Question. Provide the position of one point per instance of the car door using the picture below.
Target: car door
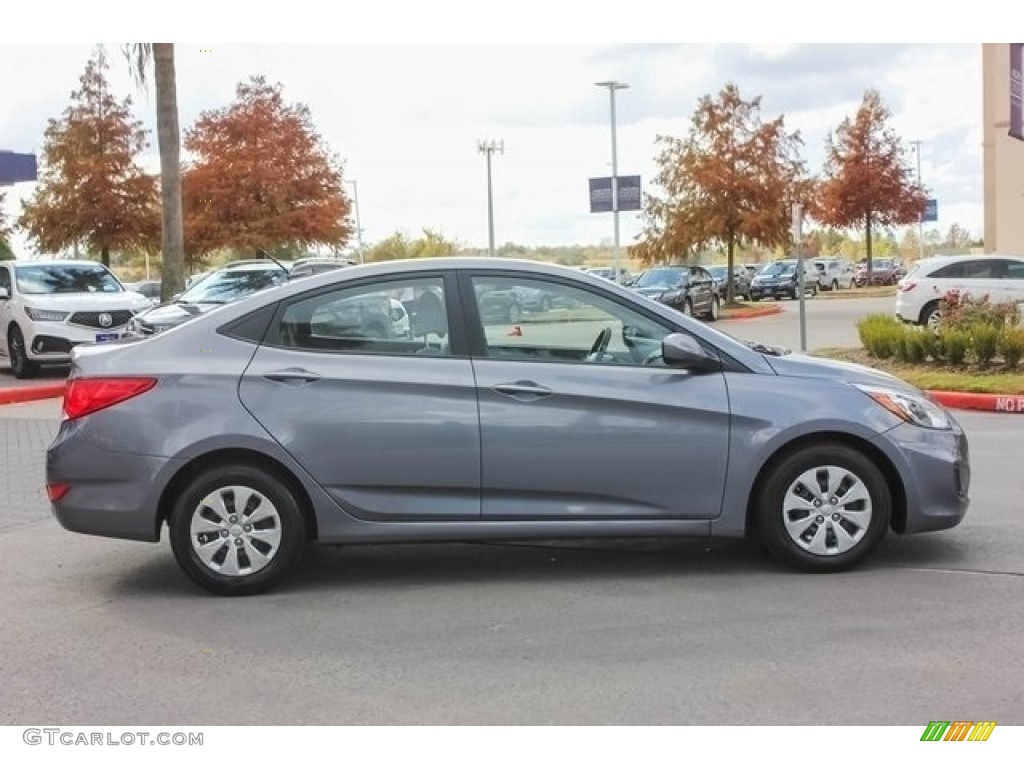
(382, 413)
(571, 431)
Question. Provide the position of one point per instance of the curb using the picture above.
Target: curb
(34, 392)
(977, 401)
(749, 314)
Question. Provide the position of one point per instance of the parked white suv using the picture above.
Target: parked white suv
(47, 307)
(918, 295)
(834, 273)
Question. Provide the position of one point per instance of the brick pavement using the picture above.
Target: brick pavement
(23, 443)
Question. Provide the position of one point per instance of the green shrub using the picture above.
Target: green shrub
(930, 347)
(913, 345)
(955, 343)
(880, 335)
(1011, 346)
(984, 340)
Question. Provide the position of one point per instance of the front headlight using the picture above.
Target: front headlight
(913, 409)
(51, 315)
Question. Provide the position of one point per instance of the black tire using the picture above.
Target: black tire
(21, 366)
(192, 505)
(835, 284)
(713, 311)
(754, 298)
(860, 532)
(930, 315)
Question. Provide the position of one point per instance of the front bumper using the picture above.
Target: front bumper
(935, 469)
(50, 342)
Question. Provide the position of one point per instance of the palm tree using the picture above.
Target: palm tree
(169, 141)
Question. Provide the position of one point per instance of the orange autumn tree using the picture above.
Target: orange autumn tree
(731, 181)
(90, 189)
(866, 180)
(261, 178)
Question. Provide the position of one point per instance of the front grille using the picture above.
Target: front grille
(118, 318)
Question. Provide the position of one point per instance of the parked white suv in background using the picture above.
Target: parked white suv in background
(834, 273)
(47, 307)
(918, 295)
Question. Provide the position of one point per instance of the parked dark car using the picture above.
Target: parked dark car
(883, 272)
(740, 280)
(284, 418)
(781, 279)
(689, 289)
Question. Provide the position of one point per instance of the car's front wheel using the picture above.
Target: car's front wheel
(823, 508)
(21, 366)
(237, 530)
(713, 310)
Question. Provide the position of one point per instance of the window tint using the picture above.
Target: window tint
(5, 280)
(397, 317)
(1015, 270)
(536, 320)
(950, 270)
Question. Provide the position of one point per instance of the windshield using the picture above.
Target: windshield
(662, 278)
(231, 285)
(718, 272)
(65, 278)
(778, 268)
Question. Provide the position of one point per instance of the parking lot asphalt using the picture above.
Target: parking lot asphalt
(98, 631)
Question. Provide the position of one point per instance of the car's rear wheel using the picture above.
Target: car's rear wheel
(931, 315)
(823, 508)
(21, 366)
(237, 530)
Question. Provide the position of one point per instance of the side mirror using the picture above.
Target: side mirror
(679, 350)
(4, 294)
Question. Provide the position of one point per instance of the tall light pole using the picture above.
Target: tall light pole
(489, 147)
(920, 216)
(613, 86)
(359, 226)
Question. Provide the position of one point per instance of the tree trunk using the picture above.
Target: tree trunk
(169, 140)
(105, 256)
(867, 229)
(728, 271)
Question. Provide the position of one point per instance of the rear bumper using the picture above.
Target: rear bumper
(111, 494)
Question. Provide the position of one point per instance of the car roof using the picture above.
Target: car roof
(57, 263)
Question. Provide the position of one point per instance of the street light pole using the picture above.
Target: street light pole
(613, 86)
(920, 216)
(359, 226)
(489, 148)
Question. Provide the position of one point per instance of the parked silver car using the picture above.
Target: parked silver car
(272, 421)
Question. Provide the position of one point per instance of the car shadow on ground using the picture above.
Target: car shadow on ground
(369, 567)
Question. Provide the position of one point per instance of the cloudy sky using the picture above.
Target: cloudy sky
(406, 118)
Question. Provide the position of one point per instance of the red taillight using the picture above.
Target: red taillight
(85, 396)
(56, 491)
(906, 286)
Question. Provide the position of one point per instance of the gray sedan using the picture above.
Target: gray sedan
(276, 420)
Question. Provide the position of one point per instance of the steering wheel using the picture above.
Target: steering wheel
(600, 345)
